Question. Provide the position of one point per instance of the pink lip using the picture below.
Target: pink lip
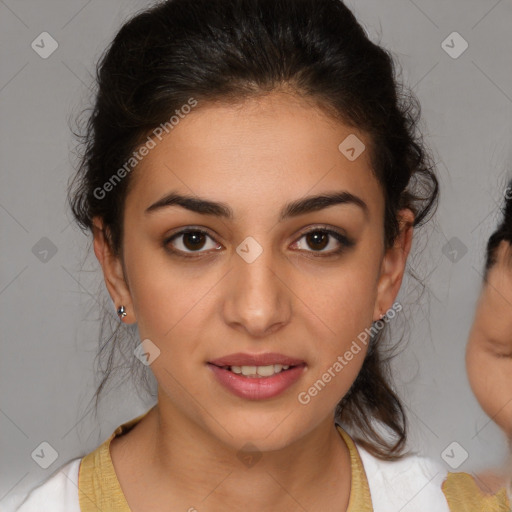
(241, 359)
(257, 388)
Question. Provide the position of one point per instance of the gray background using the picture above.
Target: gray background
(49, 309)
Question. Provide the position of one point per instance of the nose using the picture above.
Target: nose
(258, 300)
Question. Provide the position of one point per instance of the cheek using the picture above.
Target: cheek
(162, 294)
(498, 403)
(343, 298)
(491, 381)
(343, 304)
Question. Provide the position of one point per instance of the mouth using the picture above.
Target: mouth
(258, 372)
(257, 376)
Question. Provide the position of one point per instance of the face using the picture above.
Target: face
(251, 274)
(489, 349)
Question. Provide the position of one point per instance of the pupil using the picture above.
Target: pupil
(317, 237)
(195, 238)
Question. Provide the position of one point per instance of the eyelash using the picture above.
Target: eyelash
(345, 242)
(502, 355)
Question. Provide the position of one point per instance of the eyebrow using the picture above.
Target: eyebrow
(293, 209)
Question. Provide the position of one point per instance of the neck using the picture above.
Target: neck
(312, 469)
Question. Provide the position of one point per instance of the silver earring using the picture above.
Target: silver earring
(121, 312)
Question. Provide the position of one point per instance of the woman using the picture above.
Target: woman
(489, 348)
(252, 178)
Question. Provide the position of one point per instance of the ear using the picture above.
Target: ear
(113, 271)
(393, 265)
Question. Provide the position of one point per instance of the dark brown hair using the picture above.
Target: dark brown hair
(231, 50)
(502, 233)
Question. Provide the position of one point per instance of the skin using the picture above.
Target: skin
(489, 354)
(255, 157)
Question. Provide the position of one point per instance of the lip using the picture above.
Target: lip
(257, 388)
(268, 358)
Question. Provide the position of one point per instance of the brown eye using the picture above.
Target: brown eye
(320, 239)
(190, 241)
(193, 240)
(317, 240)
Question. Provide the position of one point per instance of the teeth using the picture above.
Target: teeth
(248, 370)
(259, 371)
(267, 371)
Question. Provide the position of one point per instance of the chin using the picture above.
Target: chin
(265, 434)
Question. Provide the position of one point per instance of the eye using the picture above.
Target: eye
(189, 241)
(502, 352)
(192, 240)
(320, 238)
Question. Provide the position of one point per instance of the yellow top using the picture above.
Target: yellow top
(99, 488)
(464, 495)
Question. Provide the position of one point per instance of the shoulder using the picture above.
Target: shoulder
(413, 483)
(421, 484)
(464, 493)
(58, 493)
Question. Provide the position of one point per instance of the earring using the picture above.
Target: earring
(121, 312)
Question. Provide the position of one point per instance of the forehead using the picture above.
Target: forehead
(277, 147)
